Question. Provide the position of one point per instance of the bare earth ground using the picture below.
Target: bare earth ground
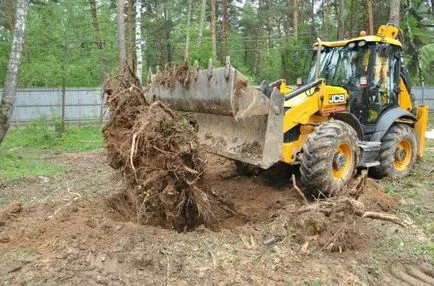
(67, 233)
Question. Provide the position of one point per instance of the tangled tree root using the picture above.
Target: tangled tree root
(336, 223)
(157, 152)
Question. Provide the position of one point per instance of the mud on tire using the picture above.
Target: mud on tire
(393, 162)
(329, 159)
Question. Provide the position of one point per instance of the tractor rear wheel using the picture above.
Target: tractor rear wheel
(397, 154)
(329, 159)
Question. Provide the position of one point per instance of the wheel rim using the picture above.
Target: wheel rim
(342, 160)
(403, 155)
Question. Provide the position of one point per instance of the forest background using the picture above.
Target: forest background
(74, 43)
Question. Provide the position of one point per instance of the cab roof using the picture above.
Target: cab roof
(386, 34)
(369, 39)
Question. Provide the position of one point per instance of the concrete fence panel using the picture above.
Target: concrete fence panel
(84, 104)
(81, 105)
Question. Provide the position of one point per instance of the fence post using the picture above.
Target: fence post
(15, 108)
(423, 92)
(101, 108)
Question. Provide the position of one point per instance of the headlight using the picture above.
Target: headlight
(351, 45)
(361, 43)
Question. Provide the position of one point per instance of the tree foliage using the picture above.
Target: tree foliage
(259, 36)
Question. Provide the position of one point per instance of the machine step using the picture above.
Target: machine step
(369, 152)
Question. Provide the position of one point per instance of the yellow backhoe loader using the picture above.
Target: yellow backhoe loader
(355, 111)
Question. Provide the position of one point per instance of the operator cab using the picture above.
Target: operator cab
(368, 71)
(368, 68)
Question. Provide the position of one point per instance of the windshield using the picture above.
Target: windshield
(341, 66)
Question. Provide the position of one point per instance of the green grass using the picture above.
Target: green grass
(430, 121)
(412, 192)
(22, 149)
(37, 136)
(14, 166)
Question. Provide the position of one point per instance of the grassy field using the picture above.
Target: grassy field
(416, 197)
(68, 214)
(22, 152)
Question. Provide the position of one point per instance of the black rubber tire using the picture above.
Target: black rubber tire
(318, 155)
(389, 143)
(244, 169)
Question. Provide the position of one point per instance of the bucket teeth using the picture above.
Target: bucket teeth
(149, 79)
(210, 71)
(228, 67)
(236, 119)
(196, 69)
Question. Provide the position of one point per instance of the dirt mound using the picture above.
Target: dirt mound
(9, 210)
(374, 198)
(338, 224)
(336, 233)
(158, 154)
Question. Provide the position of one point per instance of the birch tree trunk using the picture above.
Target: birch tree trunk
(213, 30)
(394, 12)
(121, 31)
(187, 36)
(139, 70)
(370, 17)
(202, 22)
(11, 82)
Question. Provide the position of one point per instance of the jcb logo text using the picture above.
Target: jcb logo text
(336, 98)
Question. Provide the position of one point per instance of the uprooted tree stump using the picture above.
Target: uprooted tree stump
(334, 224)
(157, 152)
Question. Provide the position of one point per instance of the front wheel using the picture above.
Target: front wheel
(397, 154)
(329, 159)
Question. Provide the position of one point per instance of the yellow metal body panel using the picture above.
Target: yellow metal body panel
(389, 31)
(290, 150)
(386, 34)
(404, 99)
(284, 89)
(335, 99)
(308, 108)
(366, 38)
(420, 128)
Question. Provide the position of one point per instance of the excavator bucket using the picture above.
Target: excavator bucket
(235, 119)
